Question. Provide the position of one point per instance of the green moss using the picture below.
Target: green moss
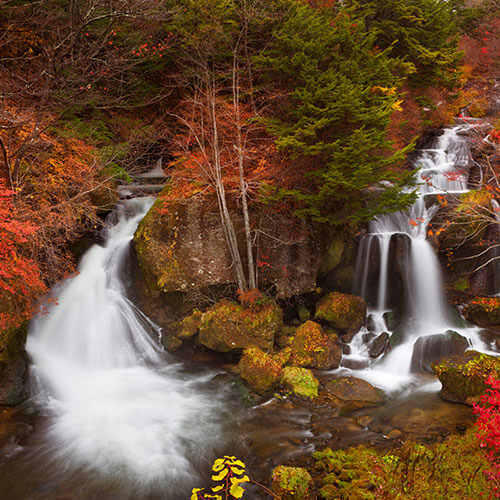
(228, 326)
(343, 311)
(259, 370)
(463, 377)
(301, 381)
(190, 325)
(291, 483)
(452, 470)
(461, 284)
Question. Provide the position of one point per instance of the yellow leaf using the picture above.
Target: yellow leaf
(222, 474)
(218, 465)
(237, 471)
(236, 490)
(238, 462)
(215, 489)
(397, 106)
(194, 493)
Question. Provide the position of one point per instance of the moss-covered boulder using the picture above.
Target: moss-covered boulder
(291, 483)
(228, 326)
(300, 381)
(261, 372)
(463, 377)
(343, 311)
(311, 347)
(351, 393)
(483, 311)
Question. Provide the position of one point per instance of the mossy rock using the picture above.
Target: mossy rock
(292, 483)
(343, 311)
(190, 325)
(261, 372)
(171, 342)
(351, 393)
(228, 326)
(483, 311)
(300, 381)
(463, 377)
(312, 348)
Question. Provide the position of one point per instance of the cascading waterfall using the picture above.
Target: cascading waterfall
(116, 403)
(444, 168)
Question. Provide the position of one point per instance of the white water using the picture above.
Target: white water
(116, 403)
(444, 170)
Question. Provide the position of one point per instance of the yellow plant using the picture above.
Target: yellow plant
(230, 473)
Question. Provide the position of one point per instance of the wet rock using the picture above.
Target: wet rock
(463, 377)
(292, 483)
(261, 372)
(491, 338)
(379, 345)
(399, 251)
(312, 348)
(364, 421)
(483, 311)
(355, 364)
(171, 342)
(370, 323)
(392, 319)
(228, 326)
(343, 311)
(351, 393)
(368, 337)
(432, 348)
(394, 434)
(300, 381)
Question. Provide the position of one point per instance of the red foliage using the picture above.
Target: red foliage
(488, 424)
(20, 281)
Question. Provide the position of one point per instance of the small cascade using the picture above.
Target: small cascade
(116, 404)
(496, 251)
(444, 170)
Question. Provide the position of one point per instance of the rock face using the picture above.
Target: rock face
(13, 365)
(291, 483)
(228, 326)
(312, 348)
(463, 377)
(483, 311)
(181, 247)
(351, 393)
(431, 349)
(259, 370)
(343, 311)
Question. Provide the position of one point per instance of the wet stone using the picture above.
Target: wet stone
(379, 345)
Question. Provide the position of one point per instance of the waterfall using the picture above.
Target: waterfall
(444, 170)
(116, 403)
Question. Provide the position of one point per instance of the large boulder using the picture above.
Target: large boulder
(351, 393)
(432, 348)
(228, 326)
(342, 311)
(292, 483)
(311, 347)
(463, 377)
(483, 311)
(180, 247)
(261, 372)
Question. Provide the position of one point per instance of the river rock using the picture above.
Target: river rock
(463, 377)
(378, 345)
(228, 326)
(312, 348)
(483, 311)
(292, 483)
(432, 348)
(351, 393)
(261, 372)
(392, 319)
(492, 338)
(343, 311)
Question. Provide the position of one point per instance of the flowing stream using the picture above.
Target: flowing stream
(444, 169)
(117, 404)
